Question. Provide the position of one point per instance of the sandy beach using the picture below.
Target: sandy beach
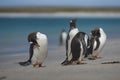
(93, 70)
(64, 14)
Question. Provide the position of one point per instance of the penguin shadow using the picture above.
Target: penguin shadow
(3, 77)
(26, 63)
(74, 63)
(67, 63)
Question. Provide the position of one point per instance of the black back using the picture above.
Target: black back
(75, 45)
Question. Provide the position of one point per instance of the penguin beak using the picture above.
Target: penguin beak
(36, 44)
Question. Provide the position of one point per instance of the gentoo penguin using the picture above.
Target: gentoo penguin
(75, 45)
(98, 39)
(79, 46)
(63, 37)
(38, 49)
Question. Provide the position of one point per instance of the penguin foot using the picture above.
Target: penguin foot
(37, 65)
(81, 62)
(74, 62)
(96, 57)
(77, 62)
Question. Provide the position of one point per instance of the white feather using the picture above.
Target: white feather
(81, 51)
(102, 39)
(71, 34)
(40, 53)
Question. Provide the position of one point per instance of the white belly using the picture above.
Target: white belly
(102, 43)
(40, 53)
(71, 35)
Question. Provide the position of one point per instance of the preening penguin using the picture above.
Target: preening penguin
(98, 39)
(40, 49)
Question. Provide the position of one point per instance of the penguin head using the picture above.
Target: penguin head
(95, 33)
(73, 24)
(32, 38)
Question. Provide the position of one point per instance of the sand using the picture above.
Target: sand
(64, 14)
(93, 70)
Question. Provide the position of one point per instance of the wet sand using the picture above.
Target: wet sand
(93, 70)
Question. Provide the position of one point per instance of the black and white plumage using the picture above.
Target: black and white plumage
(70, 37)
(40, 50)
(79, 46)
(98, 40)
(76, 46)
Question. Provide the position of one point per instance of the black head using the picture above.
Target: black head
(73, 23)
(95, 33)
(32, 37)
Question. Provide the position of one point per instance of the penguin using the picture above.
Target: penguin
(72, 32)
(40, 50)
(63, 37)
(97, 41)
(79, 46)
(75, 45)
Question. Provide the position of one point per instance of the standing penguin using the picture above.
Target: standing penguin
(75, 45)
(63, 37)
(79, 46)
(98, 39)
(38, 49)
(72, 32)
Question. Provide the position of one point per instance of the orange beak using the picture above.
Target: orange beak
(37, 45)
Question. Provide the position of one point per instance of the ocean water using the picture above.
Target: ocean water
(14, 31)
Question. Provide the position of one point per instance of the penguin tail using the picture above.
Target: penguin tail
(66, 62)
(25, 63)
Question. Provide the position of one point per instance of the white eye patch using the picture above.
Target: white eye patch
(30, 42)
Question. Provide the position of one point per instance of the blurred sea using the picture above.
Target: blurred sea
(14, 31)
